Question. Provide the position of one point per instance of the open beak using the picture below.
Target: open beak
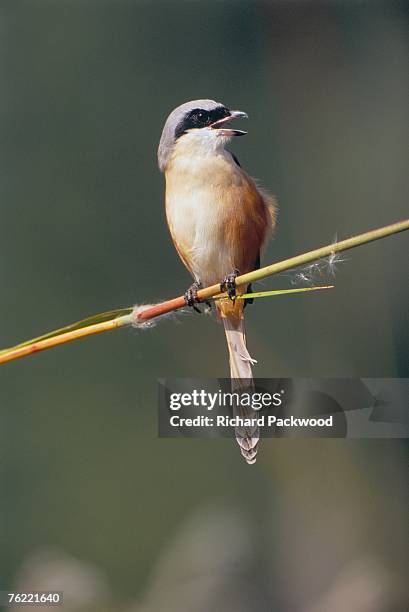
(218, 125)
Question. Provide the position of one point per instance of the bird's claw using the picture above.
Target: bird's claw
(191, 297)
(228, 284)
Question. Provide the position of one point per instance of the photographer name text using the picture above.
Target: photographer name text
(260, 421)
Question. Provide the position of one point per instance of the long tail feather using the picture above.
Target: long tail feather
(242, 380)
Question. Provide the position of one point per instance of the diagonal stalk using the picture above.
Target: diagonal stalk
(100, 323)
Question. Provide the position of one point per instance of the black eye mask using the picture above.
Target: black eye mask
(200, 118)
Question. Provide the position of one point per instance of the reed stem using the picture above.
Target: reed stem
(83, 329)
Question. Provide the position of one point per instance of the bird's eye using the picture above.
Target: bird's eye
(200, 115)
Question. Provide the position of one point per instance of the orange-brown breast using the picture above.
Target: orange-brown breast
(217, 216)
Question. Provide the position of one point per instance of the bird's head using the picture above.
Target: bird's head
(199, 127)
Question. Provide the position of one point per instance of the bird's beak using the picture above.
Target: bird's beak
(218, 125)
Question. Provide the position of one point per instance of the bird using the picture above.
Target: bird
(219, 220)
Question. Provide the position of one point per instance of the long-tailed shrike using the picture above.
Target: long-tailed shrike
(219, 219)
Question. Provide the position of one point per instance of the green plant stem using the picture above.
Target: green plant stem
(123, 317)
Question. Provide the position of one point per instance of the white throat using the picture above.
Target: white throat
(199, 144)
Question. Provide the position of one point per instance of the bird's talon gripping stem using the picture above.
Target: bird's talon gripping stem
(191, 296)
(228, 284)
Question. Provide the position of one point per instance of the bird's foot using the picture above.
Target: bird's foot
(191, 296)
(228, 284)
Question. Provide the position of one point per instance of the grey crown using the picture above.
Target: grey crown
(167, 141)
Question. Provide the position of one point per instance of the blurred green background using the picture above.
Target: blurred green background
(91, 501)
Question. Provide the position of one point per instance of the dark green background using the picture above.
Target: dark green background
(85, 89)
